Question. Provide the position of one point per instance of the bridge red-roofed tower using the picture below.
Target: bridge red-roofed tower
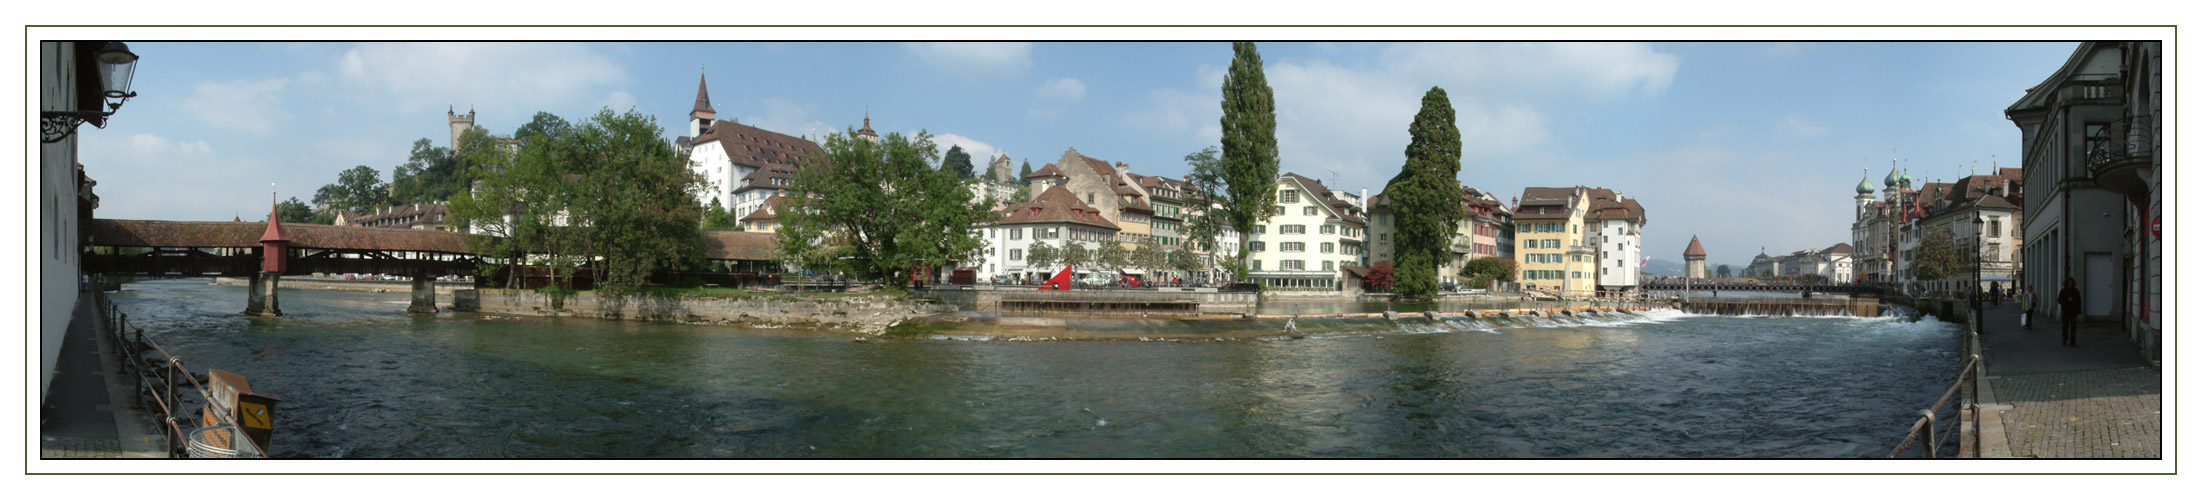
(275, 246)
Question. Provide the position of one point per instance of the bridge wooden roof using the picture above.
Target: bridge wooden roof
(161, 233)
(740, 245)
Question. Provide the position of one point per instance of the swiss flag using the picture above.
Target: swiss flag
(1061, 281)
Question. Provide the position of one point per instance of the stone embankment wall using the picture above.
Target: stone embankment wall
(1167, 301)
(443, 288)
(869, 315)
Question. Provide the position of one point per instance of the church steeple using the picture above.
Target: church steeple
(867, 132)
(700, 118)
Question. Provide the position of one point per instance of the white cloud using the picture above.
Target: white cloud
(1067, 89)
(243, 106)
(149, 147)
(620, 101)
(141, 175)
(977, 58)
(787, 117)
(516, 78)
(980, 152)
(1598, 68)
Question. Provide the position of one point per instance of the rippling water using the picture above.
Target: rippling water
(360, 378)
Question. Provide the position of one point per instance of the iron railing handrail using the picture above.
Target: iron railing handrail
(1972, 409)
(162, 397)
(2132, 137)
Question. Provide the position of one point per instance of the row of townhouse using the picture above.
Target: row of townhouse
(1979, 213)
(1088, 202)
(1486, 229)
(1832, 263)
(1578, 240)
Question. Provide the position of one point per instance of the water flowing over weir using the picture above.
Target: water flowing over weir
(362, 380)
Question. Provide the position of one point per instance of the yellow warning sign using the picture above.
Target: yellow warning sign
(252, 415)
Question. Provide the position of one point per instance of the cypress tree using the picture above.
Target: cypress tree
(1249, 143)
(1427, 202)
(1027, 173)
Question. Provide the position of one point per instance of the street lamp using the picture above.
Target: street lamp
(116, 65)
(1979, 230)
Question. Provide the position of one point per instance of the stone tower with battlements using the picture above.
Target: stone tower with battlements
(459, 124)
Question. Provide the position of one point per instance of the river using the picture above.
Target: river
(359, 378)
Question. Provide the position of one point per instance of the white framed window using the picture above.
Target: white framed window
(1328, 247)
(1307, 210)
(1292, 265)
(1288, 196)
(1292, 229)
(1292, 246)
(1329, 229)
(1016, 254)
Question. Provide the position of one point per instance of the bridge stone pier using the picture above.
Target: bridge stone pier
(424, 295)
(261, 295)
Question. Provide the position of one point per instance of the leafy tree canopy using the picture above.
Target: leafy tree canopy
(876, 210)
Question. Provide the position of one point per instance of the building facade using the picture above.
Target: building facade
(1693, 260)
(726, 153)
(1617, 239)
(1549, 241)
(1055, 217)
(1311, 235)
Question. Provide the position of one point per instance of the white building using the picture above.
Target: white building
(1054, 217)
(1313, 234)
(727, 153)
(1618, 237)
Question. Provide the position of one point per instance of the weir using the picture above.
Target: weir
(1781, 307)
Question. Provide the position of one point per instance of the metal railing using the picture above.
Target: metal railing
(2131, 138)
(1968, 416)
(155, 383)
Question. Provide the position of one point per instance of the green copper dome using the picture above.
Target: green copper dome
(1891, 180)
(1865, 185)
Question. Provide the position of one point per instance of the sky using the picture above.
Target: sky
(1742, 144)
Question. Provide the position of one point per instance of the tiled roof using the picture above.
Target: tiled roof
(1055, 205)
(755, 146)
(1604, 207)
(1046, 171)
(426, 213)
(1346, 209)
(161, 233)
(1695, 249)
(771, 210)
(737, 245)
(1544, 203)
(1841, 248)
(703, 98)
(762, 178)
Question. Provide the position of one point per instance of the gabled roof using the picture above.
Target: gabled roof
(762, 178)
(1540, 203)
(771, 211)
(758, 147)
(1055, 205)
(1839, 248)
(2039, 95)
(149, 233)
(1047, 171)
(1339, 207)
(1603, 206)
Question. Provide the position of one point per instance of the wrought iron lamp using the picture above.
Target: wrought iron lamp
(116, 65)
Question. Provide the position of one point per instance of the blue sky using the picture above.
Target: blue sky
(1742, 144)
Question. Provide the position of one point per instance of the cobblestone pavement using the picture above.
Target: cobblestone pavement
(2114, 413)
(74, 447)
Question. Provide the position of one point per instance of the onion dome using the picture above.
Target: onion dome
(1890, 181)
(1865, 186)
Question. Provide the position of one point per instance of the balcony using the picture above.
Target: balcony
(2118, 153)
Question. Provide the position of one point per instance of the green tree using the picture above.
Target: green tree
(1183, 260)
(1023, 194)
(293, 210)
(1425, 197)
(1938, 256)
(1249, 159)
(1113, 257)
(1723, 271)
(544, 124)
(959, 162)
(1026, 172)
(1077, 256)
(717, 218)
(1042, 255)
(359, 187)
(875, 210)
(1146, 256)
(1482, 271)
(608, 192)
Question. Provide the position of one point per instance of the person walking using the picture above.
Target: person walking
(2026, 306)
(2068, 311)
(1995, 294)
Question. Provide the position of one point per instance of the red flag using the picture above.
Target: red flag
(1061, 281)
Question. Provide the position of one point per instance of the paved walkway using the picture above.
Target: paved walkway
(2100, 400)
(87, 412)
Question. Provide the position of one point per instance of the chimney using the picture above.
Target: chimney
(1364, 198)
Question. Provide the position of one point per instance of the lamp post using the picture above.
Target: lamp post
(116, 65)
(1979, 230)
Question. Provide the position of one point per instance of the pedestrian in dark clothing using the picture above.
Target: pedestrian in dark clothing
(2068, 310)
(2026, 306)
(1995, 294)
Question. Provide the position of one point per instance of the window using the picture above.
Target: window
(1307, 210)
(1259, 246)
(1292, 229)
(1327, 264)
(1288, 196)
(1292, 265)
(1292, 246)
(1016, 233)
(1328, 246)
(1261, 229)
(1530, 244)
(1276, 210)
(1995, 228)
(1016, 254)
(1330, 229)
(1089, 198)
(1256, 264)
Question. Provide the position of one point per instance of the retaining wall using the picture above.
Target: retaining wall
(862, 314)
(1165, 302)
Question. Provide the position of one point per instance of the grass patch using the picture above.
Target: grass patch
(915, 328)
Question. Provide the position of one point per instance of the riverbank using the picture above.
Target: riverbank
(985, 326)
(868, 314)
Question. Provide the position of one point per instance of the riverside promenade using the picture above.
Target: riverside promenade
(2045, 400)
(87, 411)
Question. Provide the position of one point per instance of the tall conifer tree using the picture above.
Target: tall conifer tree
(1249, 143)
(1426, 196)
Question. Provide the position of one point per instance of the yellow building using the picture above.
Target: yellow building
(1548, 242)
